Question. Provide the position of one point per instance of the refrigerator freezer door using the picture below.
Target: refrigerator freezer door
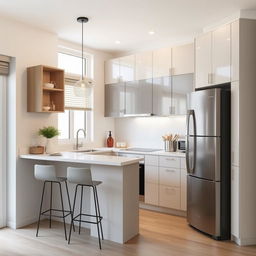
(206, 106)
(203, 157)
(204, 205)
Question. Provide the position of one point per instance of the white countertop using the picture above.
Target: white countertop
(80, 157)
(155, 153)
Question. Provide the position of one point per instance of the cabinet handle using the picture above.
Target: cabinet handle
(168, 170)
(170, 190)
(170, 159)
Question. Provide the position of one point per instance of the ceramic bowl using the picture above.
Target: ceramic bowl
(49, 85)
(46, 108)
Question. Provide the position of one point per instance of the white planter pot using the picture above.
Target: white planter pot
(49, 148)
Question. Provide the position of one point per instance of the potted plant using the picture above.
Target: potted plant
(49, 132)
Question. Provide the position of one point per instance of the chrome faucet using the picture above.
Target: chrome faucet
(77, 144)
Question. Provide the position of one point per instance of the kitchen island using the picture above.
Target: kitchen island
(118, 193)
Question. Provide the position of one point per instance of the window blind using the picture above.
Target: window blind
(77, 98)
(4, 65)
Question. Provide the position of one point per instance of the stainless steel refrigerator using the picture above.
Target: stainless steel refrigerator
(208, 161)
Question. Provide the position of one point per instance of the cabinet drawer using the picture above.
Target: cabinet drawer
(151, 174)
(168, 161)
(131, 155)
(169, 176)
(183, 163)
(169, 197)
(151, 193)
(151, 160)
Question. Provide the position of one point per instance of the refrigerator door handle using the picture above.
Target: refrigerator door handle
(191, 112)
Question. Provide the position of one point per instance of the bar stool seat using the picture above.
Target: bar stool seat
(96, 183)
(83, 178)
(47, 174)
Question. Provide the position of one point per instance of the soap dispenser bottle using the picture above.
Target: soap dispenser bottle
(110, 140)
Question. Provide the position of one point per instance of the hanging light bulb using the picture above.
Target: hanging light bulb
(83, 88)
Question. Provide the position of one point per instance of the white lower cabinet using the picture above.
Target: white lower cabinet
(151, 174)
(166, 182)
(183, 189)
(169, 176)
(168, 161)
(169, 197)
(151, 193)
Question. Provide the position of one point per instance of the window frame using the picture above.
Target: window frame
(88, 71)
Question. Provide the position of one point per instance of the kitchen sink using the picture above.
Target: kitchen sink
(105, 153)
(86, 150)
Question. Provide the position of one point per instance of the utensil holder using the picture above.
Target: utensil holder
(170, 146)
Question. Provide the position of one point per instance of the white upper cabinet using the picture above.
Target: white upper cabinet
(235, 51)
(127, 68)
(213, 57)
(143, 65)
(221, 65)
(183, 59)
(162, 62)
(203, 64)
(112, 71)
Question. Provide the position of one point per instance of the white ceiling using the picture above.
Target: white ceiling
(126, 20)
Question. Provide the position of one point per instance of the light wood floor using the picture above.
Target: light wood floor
(160, 235)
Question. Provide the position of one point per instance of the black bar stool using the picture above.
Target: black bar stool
(83, 178)
(47, 173)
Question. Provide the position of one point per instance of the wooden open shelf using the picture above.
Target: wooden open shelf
(40, 96)
(53, 89)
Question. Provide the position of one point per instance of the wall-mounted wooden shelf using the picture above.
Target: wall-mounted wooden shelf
(53, 89)
(39, 96)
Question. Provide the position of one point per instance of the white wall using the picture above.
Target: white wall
(148, 131)
(31, 46)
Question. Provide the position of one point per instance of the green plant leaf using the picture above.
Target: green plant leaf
(49, 132)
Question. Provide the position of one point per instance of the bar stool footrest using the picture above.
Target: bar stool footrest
(56, 210)
(87, 221)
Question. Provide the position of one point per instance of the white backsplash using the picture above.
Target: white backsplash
(147, 131)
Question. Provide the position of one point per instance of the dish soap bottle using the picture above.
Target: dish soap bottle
(110, 140)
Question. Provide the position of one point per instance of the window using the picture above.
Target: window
(73, 118)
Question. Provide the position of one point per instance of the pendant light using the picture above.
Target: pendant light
(83, 88)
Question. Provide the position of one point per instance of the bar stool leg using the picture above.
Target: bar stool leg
(81, 207)
(71, 213)
(42, 198)
(63, 213)
(96, 212)
(72, 220)
(102, 237)
(50, 221)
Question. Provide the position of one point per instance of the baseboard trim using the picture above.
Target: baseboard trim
(163, 210)
(244, 241)
(11, 224)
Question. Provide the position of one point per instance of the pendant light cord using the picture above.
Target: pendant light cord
(82, 50)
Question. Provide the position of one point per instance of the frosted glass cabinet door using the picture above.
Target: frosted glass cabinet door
(221, 65)
(138, 97)
(183, 59)
(127, 68)
(114, 100)
(144, 65)
(112, 72)
(162, 96)
(203, 67)
(181, 86)
(162, 62)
